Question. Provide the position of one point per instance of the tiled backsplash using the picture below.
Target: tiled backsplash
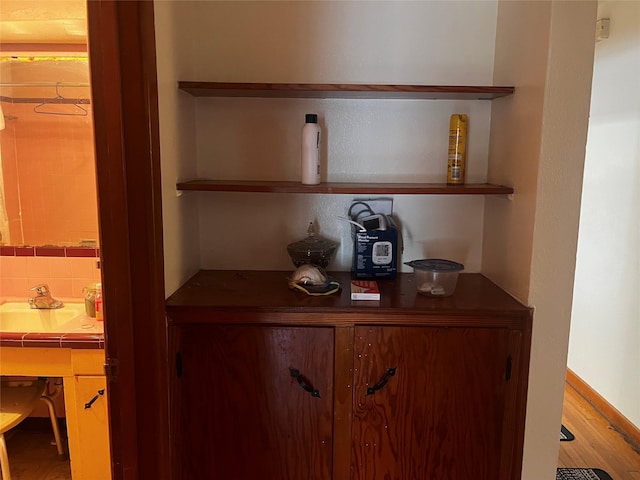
(66, 271)
(49, 251)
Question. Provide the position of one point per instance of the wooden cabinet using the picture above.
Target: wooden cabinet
(288, 386)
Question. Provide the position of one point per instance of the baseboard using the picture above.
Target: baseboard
(619, 422)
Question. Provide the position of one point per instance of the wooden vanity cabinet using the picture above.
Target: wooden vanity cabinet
(82, 372)
(384, 391)
(91, 457)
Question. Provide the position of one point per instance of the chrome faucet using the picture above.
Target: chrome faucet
(43, 298)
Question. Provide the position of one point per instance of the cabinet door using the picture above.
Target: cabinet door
(238, 410)
(439, 416)
(89, 443)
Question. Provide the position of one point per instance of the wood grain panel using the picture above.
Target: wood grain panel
(343, 414)
(513, 430)
(333, 90)
(242, 413)
(441, 415)
(206, 185)
(126, 130)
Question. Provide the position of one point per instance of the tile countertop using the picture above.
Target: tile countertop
(81, 332)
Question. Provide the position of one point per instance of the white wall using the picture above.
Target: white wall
(177, 149)
(538, 145)
(364, 140)
(340, 42)
(604, 348)
(522, 49)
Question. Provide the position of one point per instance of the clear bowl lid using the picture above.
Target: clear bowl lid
(312, 244)
(436, 265)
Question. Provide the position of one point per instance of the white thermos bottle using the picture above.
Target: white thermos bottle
(311, 150)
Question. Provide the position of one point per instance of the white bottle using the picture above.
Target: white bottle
(311, 150)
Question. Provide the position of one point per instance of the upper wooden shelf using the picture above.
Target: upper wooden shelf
(333, 90)
(345, 188)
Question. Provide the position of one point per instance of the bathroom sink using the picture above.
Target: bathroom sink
(20, 317)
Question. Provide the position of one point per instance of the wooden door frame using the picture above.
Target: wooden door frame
(125, 105)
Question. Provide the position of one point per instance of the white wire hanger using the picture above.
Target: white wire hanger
(79, 110)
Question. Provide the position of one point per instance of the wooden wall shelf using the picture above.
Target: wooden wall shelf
(325, 90)
(354, 91)
(345, 188)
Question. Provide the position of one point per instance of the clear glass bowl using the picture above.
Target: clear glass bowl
(312, 250)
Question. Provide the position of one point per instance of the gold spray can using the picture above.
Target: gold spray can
(457, 149)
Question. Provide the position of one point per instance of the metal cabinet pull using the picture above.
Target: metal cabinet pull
(390, 373)
(92, 401)
(303, 382)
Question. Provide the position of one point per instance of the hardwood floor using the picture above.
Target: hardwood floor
(597, 444)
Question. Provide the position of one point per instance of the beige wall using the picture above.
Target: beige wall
(177, 146)
(530, 245)
(364, 140)
(359, 42)
(522, 44)
(604, 348)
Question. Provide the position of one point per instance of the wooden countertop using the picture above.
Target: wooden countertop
(230, 296)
